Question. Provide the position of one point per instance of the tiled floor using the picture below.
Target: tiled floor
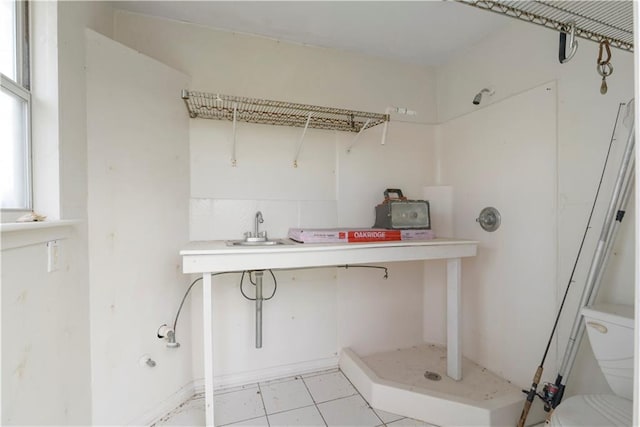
(318, 399)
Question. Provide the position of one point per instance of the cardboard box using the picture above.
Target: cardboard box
(357, 235)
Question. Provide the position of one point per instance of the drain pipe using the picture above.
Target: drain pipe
(259, 299)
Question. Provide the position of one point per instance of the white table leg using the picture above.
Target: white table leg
(207, 327)
(454, 317)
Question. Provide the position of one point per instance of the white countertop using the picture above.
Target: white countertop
(217, 256)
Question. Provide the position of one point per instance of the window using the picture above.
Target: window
(15, 107)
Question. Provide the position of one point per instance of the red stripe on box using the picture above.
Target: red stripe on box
(374, 235)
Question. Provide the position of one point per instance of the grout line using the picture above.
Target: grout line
(252, 418)
(338, 398)
(292, 379)
(264, 407)
(314, 402)
(292, 409)
(236, 422)
(362, 397)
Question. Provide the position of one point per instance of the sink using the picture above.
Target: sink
(274, 242)
(257, 238)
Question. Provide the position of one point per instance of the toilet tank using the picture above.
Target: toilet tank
(611, 334)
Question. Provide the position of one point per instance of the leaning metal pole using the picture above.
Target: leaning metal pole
(550, 390)
(613, 217)
(600, 272)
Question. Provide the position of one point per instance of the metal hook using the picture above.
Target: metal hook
(604, 48)
(605, 69)
(573, 43)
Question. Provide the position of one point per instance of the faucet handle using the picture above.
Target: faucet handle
(262, 234)
(248, 234)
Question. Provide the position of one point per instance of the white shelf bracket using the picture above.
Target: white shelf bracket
(387, 112)
(304, 132)
(385, 128)
(355, 139)
(233, 148)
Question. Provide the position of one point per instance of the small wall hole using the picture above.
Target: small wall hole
(433, 376)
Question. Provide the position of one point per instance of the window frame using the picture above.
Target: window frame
(21, 90)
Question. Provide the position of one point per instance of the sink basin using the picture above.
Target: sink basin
(274, 242)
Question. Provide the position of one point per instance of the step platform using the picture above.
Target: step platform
(412, 382)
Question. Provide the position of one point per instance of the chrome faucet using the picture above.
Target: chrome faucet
(257, 235)
(259, 220)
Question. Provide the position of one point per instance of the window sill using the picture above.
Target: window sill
(37, 225)
(20, 234)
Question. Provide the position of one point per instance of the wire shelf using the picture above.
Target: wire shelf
(595, 20)
(251, 110)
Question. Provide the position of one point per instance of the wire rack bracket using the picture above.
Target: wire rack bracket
(595, 20)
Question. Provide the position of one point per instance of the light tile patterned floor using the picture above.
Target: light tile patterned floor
(318, 399)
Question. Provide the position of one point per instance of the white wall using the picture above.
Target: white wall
(264, 68)
(315, 312)
(73, 18)
(45, 316)
(138, 184)
(45, 339)
(503, 156)
(513, 61)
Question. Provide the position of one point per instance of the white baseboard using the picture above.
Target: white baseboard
(162, 409)
(267, 374)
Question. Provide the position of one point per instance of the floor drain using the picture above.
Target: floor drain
(433, 376)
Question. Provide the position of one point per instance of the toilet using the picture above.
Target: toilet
(611, 334)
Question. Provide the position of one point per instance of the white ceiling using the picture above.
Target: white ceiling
(422, 32)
